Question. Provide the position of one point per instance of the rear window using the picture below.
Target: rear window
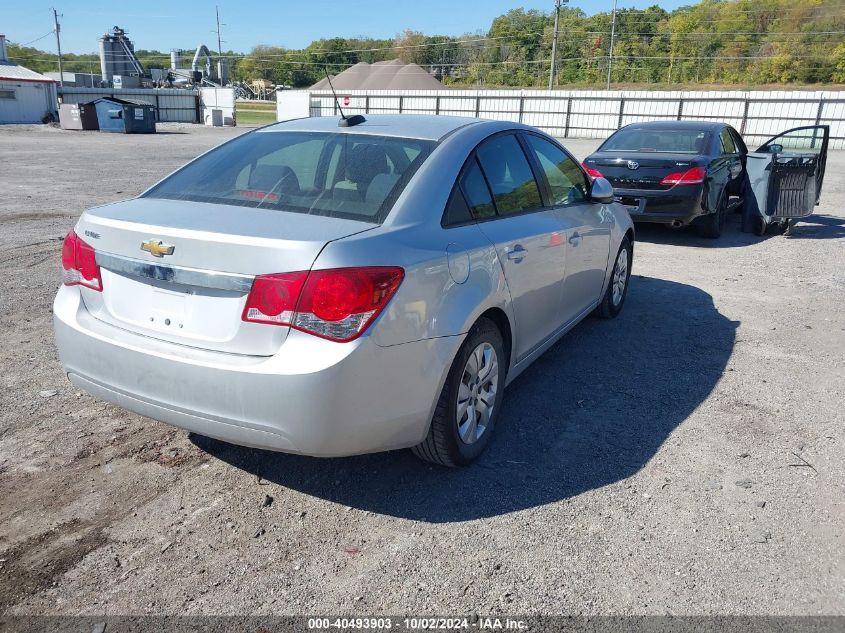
(677, 141)
(354, 176)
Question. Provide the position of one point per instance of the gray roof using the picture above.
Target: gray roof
(677, 125)
(421, 126)
(15, 72)
(389, 75)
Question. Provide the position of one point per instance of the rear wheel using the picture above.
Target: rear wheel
(713, 224)
(617, 288)
(744, 192)
(466, 412)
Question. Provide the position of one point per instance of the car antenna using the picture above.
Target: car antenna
(345, 121)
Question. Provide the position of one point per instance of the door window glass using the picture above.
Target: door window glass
(806, 139)
(740, 145)
(566, 180)
(725, 138)
(509, 174)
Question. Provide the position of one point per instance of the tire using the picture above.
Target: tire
(784, 226)
(711, 225)
(450, 443)
(614, 297)
(744, 192)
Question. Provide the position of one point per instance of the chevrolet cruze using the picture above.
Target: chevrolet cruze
(331, 287)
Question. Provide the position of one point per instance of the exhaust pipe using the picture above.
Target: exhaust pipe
(676, 224)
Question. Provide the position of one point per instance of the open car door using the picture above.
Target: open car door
(786, 172)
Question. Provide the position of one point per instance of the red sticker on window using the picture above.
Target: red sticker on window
(252, 194)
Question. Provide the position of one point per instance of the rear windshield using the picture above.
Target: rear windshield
(354, 176)
(677, 141)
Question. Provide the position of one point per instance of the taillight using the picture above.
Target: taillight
(693, 176)
(273, 298)
(592, 173)
(338, 304)
(79, 262)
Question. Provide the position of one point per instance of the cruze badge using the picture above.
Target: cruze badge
(157, 248)
(632, 164)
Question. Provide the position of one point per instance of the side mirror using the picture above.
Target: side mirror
(601, 191)
(775, 148)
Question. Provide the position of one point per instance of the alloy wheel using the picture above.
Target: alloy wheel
(477, 393)
(620, 276)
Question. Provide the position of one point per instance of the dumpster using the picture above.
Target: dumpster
(128, 117)
(78, 116)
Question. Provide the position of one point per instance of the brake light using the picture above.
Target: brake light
(79, 264)
(337, 304)
(592, 173)
(693, 176)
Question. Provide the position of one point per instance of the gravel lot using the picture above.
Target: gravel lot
(685, 458)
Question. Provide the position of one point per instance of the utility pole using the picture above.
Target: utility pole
(553, 70)
(219, 47)
(222, 64)
(610, 53)
(59, 47)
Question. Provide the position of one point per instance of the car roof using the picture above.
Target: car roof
(419, 126)
(676, 125)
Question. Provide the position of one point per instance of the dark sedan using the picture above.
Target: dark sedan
(678, 173)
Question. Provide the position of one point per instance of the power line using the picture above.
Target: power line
(313, 53)
(47, 34)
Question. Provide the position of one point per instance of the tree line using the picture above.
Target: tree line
(729, 42)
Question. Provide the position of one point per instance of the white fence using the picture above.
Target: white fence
(758, 115)
(172, 104)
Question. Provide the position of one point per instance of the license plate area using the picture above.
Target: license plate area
(633, 205)
(203, 314)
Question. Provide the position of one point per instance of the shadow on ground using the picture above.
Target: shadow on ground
(815, 227)
(818, 227)
(732, 235)
(592, 411)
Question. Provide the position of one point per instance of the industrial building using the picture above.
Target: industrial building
(77, 80)
(25, 96)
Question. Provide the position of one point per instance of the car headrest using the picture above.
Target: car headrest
(276, 178)
(365, 162)
(381, 185)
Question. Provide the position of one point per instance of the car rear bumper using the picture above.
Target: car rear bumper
(662, 207)
(314, 397)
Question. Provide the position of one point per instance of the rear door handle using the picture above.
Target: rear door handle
(575, 239)
(517, 253)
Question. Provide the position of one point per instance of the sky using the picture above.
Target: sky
(163, 25)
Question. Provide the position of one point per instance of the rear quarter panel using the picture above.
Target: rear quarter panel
(451, 277)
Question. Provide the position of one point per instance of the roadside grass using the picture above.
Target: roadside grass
(255, 112)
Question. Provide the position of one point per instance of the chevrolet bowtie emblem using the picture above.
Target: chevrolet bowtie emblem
(157, 248)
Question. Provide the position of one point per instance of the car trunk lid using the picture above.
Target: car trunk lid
(641, 170)
(181, 271)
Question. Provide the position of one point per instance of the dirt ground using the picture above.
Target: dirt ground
(685, 458)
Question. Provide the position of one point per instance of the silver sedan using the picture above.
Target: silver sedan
(330, 289)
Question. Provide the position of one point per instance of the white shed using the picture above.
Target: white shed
(25, 95)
